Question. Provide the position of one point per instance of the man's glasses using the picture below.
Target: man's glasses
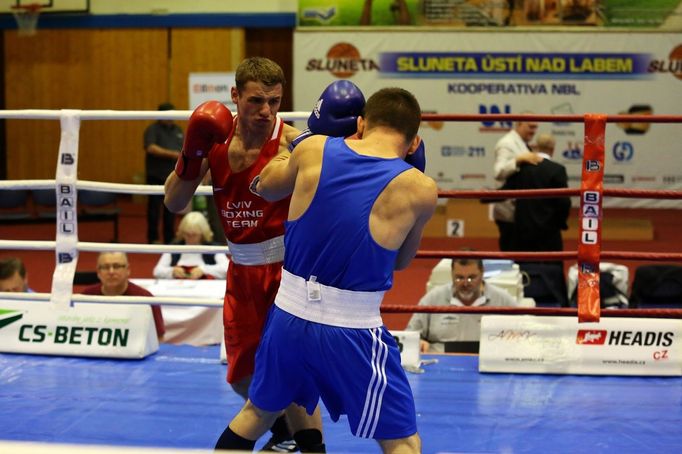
(112, 266)
(467, 279)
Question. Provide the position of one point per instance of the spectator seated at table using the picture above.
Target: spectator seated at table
(113, 272)
(193, 230)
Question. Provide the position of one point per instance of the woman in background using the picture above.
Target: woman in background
(193, 230)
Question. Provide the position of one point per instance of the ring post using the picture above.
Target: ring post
(590, 217)
(66, 249)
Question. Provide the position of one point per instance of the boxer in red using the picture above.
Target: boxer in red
(235, 151)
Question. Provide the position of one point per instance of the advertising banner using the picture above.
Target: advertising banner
(492, 13)
(211, 86)
(95, 330)
(561, 345)
(506, 72)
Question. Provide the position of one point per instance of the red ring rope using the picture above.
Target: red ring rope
(557, 192)
(542, 256)
(555, 118)
(559, 311)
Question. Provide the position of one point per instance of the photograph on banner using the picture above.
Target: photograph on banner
(664, 14)
(513, 73)
(358, 12)
(209, 87)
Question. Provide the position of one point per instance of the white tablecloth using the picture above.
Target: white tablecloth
(194, 325)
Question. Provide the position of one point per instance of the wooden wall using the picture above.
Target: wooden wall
(131, 69)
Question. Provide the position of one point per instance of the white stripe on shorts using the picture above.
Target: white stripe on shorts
(377, 386)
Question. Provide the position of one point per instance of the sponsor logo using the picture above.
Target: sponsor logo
(672, 65)
(592, 165)
(573, 151)
(614, 178)
(454, 150)
(524, 65)
(473, 176)
(441, 178)
(641, 338)
(672, 179)
(319, 14)
(343, 60)
(588, 267)
(210, 88)
(590, 337)
(623, 151)
(562, 109)
(493, 126)
(625, 338)
(563, 132)
(461, 151)
(9, 316)
(74, 335)
(633, 128)
(643, 178)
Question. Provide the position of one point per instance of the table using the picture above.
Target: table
(193, 325)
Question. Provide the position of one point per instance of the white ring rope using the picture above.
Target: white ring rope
(84, 246)
(121, 188)
(70, 120)
(42, 114)
(123, 299)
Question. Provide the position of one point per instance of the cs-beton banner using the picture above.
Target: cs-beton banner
(514, 73)
(95, 330)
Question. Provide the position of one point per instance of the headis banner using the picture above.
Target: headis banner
(514, 73)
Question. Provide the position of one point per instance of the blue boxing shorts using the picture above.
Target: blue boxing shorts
(355, 371)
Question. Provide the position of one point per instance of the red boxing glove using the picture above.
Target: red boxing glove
(210, 123)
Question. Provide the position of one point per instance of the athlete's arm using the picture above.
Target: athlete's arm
(277, 179)
(179, 192)
(209, 124)
(426, 194)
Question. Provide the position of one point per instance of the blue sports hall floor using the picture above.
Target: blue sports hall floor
(177, 398)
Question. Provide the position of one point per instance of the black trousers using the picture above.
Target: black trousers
(507, 239)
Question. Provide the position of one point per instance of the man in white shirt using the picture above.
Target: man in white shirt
(468, 288)
(511, 151)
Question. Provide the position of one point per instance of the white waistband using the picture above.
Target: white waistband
(263, 253)
(336, 307)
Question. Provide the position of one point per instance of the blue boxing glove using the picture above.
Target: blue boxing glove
(418, 158)
(335, 113)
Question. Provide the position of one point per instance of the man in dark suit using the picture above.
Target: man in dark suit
(539, 222)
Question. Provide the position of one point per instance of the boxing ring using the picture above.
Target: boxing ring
(177, 397)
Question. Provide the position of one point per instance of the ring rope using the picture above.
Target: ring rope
(70, 123)
(124, 299)
(85, 246)
(125, 188)
(546, 256)
(557, 192)
(554, 118)
(560, 311)
(46, 114)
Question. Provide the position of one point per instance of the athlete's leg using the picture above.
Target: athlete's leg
(307, 429)
(409, 445)
(250, 423)
(241, 387)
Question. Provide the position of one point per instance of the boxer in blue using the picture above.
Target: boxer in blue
(357, 212)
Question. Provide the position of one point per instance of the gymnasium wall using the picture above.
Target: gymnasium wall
(113, 68)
